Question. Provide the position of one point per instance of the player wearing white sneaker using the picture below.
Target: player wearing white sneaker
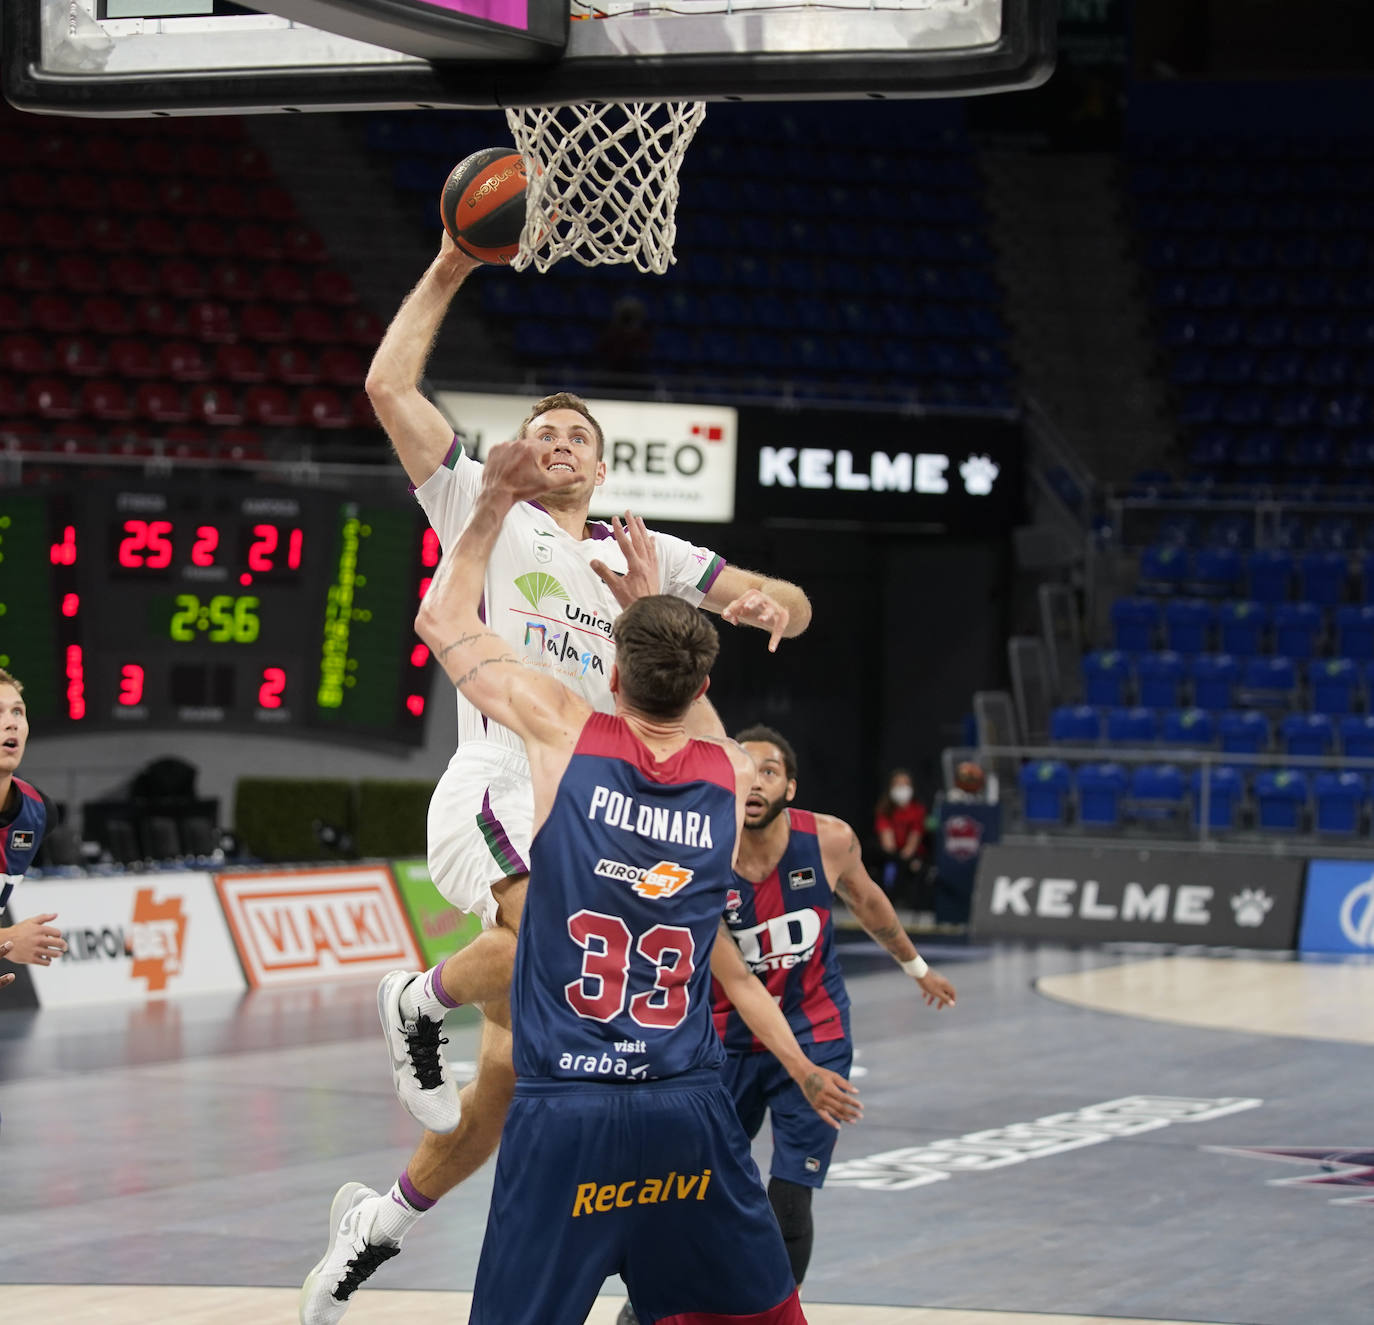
(356, 1248)
(554, 585)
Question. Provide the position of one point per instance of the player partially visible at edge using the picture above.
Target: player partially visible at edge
(779, 914)
(622, 1153)
(552, 590)
(26, 814)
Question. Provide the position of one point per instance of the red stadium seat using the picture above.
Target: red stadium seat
(30, 189)
(239, 363)
(133, 359)
(342, 367)
(105, 152)
(235, 281)
(181, 197)
(80, 273)
(157, 237)
(314, 326)
(161, 317)
(275, 203)
(51, 398)
(156, 156)
(262, 322)
(14, 315)
(25, 354)
(334, 288)
(292, 366)
(131, 275)
(321, 407)
(80, 356)
(14, 229)
(26, 270)
(184, 278)
(361, 327)
(161, 402)
(107, 315)
(183, 361)
(360, 411)
(186, 443)
(208, 239)
(131, 193)
(56, 313)
(106, 400)
(240, 444)
(284, 284)
(206, 160)
(60, 231)
(215, 405)
(108, 234)
(248, 159)
(210, 321)
(270, 407)
(231, 201)
(84, 192)
(12, 402)
(260, 242)
(302, 244)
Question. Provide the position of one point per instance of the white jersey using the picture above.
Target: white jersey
(542, 596)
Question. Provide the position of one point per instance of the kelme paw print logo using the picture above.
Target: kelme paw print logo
(979, 473)
(1251, 905)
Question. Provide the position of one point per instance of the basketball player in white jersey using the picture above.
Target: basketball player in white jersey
(553, 587)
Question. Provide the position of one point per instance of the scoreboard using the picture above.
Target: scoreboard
(216, 607)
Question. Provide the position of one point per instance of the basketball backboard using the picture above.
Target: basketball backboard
(73, 57)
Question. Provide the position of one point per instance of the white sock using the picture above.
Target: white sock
(397, 1216)
(424, 996)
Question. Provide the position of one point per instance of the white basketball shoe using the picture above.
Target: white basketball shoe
(418, 1071)
(355, 1250)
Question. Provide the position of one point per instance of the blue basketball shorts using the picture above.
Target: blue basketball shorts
(802, 1140)
(652, 1181)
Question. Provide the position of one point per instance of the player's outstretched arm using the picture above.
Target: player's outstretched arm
(746, 598)
(832, 1097)
(420, 434)
(478, 661)
(844, 868)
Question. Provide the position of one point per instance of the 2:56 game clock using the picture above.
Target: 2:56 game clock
(216, 607)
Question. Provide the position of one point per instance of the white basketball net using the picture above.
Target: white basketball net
(602, 181)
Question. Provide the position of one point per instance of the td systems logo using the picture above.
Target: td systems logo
(154, 941)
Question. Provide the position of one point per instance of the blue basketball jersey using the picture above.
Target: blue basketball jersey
(785, 932)
(20, 837)
(628, 876)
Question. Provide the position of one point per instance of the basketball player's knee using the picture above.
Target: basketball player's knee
(791, 1204)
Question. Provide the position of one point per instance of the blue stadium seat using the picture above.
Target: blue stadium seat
(1163, 568)
(1045, 788)
(1105, 674)
(1331, 533)
(1242, 625)
(1357, 736)
(1269, 682)
(1214, 680)
(1324, 576)
(1076, 724)
(1133, 726)
(1157, 791)
(1135, 622)
(1225, 793)
(1355, 630)
(1216, 571)
(1244, 732)
(1270, 573)
(1333, 682)
(1296, 627)
(1100, 789)
(1307, 734)
(1188, 623)
(1159, 679)
(1338, 801)
(1194, 728)
(1281, 798)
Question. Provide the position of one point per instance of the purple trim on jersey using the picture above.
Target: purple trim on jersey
(414, 1197)
(497, 840)
(450, 460)
(434, 986)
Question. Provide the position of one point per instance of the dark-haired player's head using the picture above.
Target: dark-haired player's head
(14, 724)
(775, 782)
(664, 651)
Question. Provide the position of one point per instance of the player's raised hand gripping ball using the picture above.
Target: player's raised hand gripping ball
(483, 204)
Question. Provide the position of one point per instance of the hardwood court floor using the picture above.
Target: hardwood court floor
(175, 1162)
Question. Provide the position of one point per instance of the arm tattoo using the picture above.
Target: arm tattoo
(888, 934)
(465, 639)
(471, 674)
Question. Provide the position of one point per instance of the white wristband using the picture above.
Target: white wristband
(916, 967)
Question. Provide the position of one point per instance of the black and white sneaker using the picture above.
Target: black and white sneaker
(418, 1071)
(351, 1257)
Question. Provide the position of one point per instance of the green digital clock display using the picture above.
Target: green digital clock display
(223, 619)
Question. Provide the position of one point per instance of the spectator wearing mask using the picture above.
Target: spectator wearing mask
(900, 823)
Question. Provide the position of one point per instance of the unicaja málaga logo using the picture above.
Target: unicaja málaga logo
(1357, 914)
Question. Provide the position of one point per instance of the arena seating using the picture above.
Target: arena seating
(791, 243)
(155, 275)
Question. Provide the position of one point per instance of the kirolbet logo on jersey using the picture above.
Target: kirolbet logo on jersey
(661, 880)
(597, 1198)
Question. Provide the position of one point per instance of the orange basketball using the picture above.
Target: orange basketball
(483, 204)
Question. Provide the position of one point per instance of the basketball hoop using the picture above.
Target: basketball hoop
(602, 181)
